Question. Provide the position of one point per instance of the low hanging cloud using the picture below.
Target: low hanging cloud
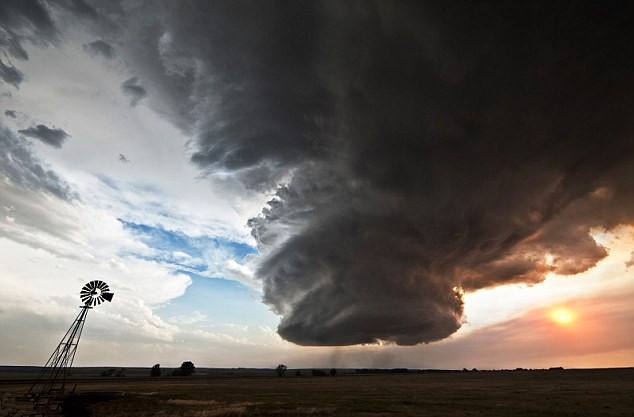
(416, 150)
(131, 89)
(50, 136)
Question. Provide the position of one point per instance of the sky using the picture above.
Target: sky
(320, 184)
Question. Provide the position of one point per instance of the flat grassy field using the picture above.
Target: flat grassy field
(608, 392)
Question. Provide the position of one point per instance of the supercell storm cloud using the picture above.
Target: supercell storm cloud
(418, 150)
(415, 150)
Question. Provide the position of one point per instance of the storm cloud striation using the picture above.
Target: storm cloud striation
(415, 150)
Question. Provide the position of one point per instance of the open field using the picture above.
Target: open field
(599, 392)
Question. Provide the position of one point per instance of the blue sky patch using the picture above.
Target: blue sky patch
(196, 254)
(221, 301)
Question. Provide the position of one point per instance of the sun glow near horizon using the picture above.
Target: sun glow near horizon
(563, 316)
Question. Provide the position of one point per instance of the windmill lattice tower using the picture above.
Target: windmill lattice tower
(52, 379)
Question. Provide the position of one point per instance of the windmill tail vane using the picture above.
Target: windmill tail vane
(51, 380)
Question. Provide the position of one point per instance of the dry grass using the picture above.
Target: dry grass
(497, 394)
(192, 402)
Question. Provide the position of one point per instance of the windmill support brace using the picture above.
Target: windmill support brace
(52, 378)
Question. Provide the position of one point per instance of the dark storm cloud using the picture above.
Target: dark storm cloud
(100, 47)
(31, 21)
(10, 74)
(271, 98)
(247, 64)
(425, 147)
(20, 166)
(11, 113)
(53, 137)
(83, 9)
(25, 20)
(10, 42)
(131, 89)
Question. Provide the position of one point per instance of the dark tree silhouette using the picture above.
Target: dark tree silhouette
(156, 370)
(187, 368)
(333, 372)
(281, 369)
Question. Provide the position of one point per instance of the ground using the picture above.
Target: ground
(500, 393)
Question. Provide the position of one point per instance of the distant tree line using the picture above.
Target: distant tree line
(114, 372)
(281, 369)
(187, 368)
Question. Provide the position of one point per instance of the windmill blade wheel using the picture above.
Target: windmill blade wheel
(95, 292)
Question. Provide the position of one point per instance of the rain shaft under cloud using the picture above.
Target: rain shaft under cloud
(415, 150)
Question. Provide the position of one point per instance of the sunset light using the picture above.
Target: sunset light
(563, 316)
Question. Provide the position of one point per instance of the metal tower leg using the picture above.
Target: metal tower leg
(52, 378)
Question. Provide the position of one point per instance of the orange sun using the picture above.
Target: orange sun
(563, 316)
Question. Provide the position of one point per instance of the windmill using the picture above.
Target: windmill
(52, 379)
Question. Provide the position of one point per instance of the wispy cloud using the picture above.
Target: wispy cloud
(195, 317)
(204, 255)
